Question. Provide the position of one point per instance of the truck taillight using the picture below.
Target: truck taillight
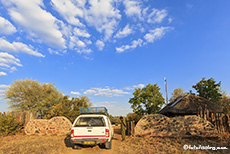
(107, 132)
(72, 133)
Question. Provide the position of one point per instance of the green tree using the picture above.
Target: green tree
(69, 107)
(9, 125)
(29, 95)
(114, 119)
(225, 103)
(209, 89)
(147, 100)
(133, 117)
(176, 93)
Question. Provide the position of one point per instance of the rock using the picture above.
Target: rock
(55, 126)
(160, 125)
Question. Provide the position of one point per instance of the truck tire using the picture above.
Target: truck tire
(75, 146)
(108, 145)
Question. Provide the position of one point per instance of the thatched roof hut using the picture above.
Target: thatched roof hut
(189, 105)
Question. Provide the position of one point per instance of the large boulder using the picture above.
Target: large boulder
(55, 126)
(160, 125)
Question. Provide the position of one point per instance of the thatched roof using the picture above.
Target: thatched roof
(189, 104)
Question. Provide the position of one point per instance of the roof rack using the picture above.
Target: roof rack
(93, 110)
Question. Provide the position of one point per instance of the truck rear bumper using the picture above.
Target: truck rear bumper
(89, 141)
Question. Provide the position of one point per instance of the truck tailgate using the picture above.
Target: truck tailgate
(89, 132)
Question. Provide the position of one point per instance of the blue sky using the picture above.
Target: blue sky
(104, 49)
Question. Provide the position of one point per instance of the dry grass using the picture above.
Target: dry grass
(137, 145)
(21, 144)
(224, 136)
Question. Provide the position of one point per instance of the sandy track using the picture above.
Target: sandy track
(116, 142)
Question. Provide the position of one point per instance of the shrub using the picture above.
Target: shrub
(9, 125)
(133, 117)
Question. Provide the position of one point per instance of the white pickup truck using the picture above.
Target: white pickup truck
(92, 127)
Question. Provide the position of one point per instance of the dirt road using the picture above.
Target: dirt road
(116, 142)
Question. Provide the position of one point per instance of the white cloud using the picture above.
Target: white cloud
(157, 16)
(139, 86)
(170, 20)
(3, 74)
(133, 45)
(3, 86)
(76, 22)
(150, 37)
(90, 92)
(100, 44)
(75, 93)
(123, 33)
(103, 16)
(76, 43)
(81, 32)
(65, 29)
(155, 34)
(100, 14)
(6, 60)
(12, 69)
(53, 51)
(80, 44)
(105, 92)
(38, 22)
(135, 86)
(6, 27)
(18, 47)
(132, 8)
(70, 10)
(128, 88)
(85, 51)
(88, 42)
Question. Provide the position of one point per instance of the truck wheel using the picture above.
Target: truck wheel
(75, 146)
(102, 146)
(108, 145)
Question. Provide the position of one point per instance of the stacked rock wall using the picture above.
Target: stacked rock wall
(160, 125)
(55, 126)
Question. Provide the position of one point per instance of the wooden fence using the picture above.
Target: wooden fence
(130, 128)
(219, 120)
(22, 117)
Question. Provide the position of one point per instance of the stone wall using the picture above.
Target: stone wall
(55, 126)
(160, 125)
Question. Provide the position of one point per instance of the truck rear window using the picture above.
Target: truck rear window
(90, 122)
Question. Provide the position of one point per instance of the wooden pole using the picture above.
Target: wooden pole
(166, 91)
(215, 116)
(201, 113)
(221, 123)
(205, 112)
(131, 127)
(218, 121)
(212, 118)
(228, 123)
(208, 115)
